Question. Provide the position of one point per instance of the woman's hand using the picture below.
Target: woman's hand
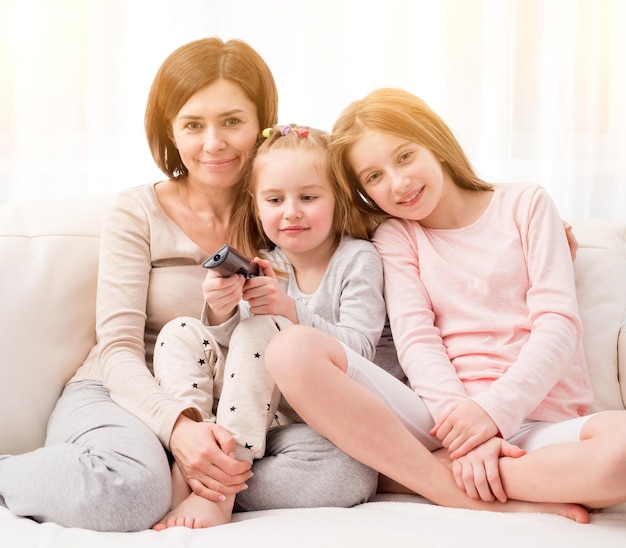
(478, 473)
(205, 453)
(463, 428)
(265, 295)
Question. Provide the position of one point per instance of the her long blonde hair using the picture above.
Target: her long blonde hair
(400, 113)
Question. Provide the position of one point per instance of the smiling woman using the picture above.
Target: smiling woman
(151, 251)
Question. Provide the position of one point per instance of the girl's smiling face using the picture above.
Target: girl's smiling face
(215, 132)
(404, 179)
(294, 200)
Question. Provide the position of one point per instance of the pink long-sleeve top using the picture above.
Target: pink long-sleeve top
(489, 311)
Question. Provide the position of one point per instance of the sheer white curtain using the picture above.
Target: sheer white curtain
(534, 89)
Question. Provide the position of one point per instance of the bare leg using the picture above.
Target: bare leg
(364, 426)
(591, 471)
(387, 485)
(191, 510)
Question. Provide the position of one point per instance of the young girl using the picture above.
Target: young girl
(480, 293)
(328, 277)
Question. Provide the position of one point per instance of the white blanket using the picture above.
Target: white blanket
(391, 521)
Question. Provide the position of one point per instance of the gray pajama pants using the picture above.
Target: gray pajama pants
(103, 469)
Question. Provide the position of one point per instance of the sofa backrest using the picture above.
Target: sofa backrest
(48, 267)
(48, 270)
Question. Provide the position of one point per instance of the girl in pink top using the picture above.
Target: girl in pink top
(480, 294)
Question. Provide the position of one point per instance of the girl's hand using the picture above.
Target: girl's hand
(477, 472)
(205, 453)
(265, 295)
(222, 295)
(463, 428)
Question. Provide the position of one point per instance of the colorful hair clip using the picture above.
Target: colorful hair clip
(303, 132)
(266, 132)
(285, 130)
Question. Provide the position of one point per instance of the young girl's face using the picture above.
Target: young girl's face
(294, 200)
(403, 178)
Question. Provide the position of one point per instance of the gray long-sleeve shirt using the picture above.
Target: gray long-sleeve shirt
(348, 304)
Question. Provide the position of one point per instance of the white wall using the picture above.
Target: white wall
(533, 88)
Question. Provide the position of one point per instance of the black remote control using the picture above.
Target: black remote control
(228, 261)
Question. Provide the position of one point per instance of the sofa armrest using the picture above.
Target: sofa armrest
(600, 269)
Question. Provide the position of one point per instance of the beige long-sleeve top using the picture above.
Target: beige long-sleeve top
(149, 273)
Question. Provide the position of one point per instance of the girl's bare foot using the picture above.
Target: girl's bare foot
(196, 512)
(571, 511)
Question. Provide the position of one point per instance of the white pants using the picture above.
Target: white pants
(412, 411)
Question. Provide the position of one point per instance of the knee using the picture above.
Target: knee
(176, 324)
(352, 483)
(123, 502)
(340, 481)
(181, 327)
(260, 327)
(296, 344)
(616, 454)
(315, 470)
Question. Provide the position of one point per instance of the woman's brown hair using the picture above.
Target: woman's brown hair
(191, 68)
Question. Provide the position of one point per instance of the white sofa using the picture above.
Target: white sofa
(48, 261)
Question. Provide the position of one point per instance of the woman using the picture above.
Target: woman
(104, 466)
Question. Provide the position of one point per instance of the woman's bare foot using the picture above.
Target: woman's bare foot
(196, 512)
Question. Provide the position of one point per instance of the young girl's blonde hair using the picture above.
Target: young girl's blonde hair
(404, 115)
(247, 233)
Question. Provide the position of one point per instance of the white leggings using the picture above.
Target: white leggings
(412, 411)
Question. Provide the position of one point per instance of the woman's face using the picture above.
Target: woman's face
(403, 178)
(295, 201)
(215, 132)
